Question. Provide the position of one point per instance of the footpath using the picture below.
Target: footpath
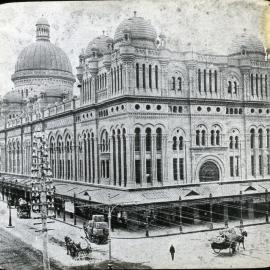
(26, 231)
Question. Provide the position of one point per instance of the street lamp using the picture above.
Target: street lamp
(9, 207)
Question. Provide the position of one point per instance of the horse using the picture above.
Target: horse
(68, 242)
(241, 239)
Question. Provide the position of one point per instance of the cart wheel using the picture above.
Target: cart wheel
(216, 250)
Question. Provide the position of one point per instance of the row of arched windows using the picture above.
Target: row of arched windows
(86, 90)
(101, 81)
(258, 85)
(232, 87)
(176, 83)
(207, 80)
(260, 138)
(215, 136)
(141, 77)
(116, 79)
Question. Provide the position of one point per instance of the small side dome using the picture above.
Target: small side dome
(141, 31)
(13, 97)
(246, 45)
(99, 44)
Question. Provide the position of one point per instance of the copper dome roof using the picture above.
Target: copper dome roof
(138, 27)
(250, 43)
(43, 55)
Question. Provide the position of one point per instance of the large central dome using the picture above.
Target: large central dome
(43, 55)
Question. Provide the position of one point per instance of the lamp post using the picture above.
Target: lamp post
(9, 208)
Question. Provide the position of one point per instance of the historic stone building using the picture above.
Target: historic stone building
(148, 119)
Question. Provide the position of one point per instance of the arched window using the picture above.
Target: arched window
(197, 137)
(229, 87)
(199, 80)
(236, 142)
(252, 138)
(148, 139)
(252, 84)
(217, 137)
(256, 85)
(156, 76)
(137, 76)
(112, 79)
(143, 75)
(181, 143)
(150, 76)
(159, 139)
(173, 83)
(265, 85)
(235, 87)
(260, 138)
(204, 80)
(231, 142)
(215, 81)
(174, 143)
(137, 139)
(268, 138)
(179, 84)
(210, 81)
(261, 83)
(203, 137)
(212, 137)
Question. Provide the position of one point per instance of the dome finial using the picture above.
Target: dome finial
(135, 13)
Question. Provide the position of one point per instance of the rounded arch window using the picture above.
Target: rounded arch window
(180, 109)
(148, 107)
(209, 172)
(117, 108)
(199, 109)
(208, 109)
(158, 107)
(267, 111)
(260, 110)
(252, 110)
(137, 106)
(112, 109)
(122, 107)
(218, 109)
(174, 109)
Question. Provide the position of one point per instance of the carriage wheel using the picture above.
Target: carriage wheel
(216, 250)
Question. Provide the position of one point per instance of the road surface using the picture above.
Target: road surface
(17, 255)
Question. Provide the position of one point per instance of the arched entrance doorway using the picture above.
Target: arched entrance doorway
(209, 172)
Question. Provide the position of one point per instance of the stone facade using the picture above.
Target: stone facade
(148, 116)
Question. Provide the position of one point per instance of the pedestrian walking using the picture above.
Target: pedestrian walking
(172, 251)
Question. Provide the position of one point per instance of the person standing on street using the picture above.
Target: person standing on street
(172, 251)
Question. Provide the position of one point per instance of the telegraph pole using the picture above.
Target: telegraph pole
(42, 188)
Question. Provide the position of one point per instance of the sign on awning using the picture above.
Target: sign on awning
(69, 207)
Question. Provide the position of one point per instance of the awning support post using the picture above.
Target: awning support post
(211, 211)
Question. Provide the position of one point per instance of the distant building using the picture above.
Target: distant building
(150, 124)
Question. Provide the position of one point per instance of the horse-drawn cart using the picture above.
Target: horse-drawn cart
(228, 239)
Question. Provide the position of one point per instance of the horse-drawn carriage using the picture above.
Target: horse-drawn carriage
(228, 239)
(78, 251)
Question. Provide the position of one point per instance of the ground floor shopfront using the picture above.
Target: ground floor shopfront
(151, 208)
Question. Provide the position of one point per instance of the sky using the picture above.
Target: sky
(198, 25)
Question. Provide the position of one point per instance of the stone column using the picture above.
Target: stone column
(96, 160)
(122, 160)
(116, 159)
(130, 160)
(111, 161)
(154, 159)
(143, 161)
(164, 160)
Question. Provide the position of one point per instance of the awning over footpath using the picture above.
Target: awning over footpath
(106, 195)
